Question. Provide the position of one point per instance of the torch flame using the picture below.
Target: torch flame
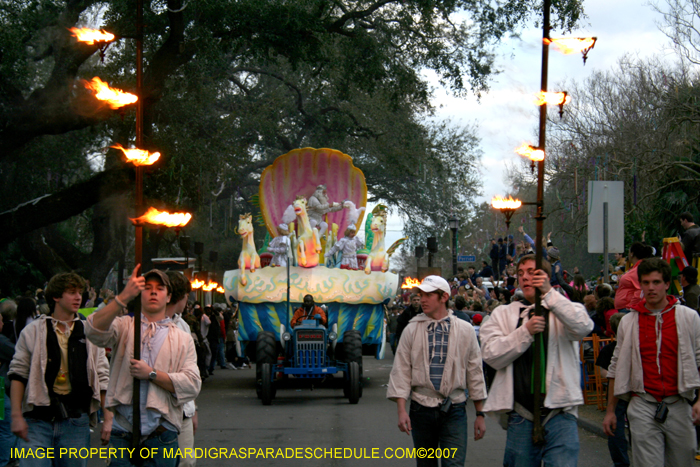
(555, 98)
(220, 290)
(533, 154)
(409, 283)
(139, 156)
(90, 36)
(114, 97)
(210, 286)
(156, 217)
(570, 45)
(197, 284)
(506, 203)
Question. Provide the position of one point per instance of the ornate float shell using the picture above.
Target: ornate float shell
(299, 172)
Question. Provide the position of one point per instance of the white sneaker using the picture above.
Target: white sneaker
(230, 366)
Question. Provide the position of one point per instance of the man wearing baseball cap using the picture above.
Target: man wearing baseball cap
(437, 359)
(167, 369)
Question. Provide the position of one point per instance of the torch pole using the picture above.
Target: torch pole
(136, 396)
(289, 286)
(537, 430)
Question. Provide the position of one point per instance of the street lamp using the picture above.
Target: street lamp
(454, 227)
(432, 249)
(419, 252)
(198, 250)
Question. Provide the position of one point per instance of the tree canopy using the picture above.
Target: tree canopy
(229, 86)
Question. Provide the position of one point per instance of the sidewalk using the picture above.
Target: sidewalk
(591, 419)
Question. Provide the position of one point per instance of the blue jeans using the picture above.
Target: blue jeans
(166, 440)
(7, 439)
(561, 443)
(617, 445)
(69, 433)
(432, 429)
(222, 353)
(214, 347)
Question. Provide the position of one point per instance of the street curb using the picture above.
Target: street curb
(592, 427)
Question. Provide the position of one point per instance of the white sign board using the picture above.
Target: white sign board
(612, 193)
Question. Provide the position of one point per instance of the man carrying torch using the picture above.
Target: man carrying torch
(507, 344)
(167, 371)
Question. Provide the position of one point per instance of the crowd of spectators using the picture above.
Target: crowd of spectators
(213, 328)
(640, 283)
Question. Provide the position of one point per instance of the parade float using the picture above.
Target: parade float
(313, 197)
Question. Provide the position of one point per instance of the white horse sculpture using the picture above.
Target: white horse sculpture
(377, 259)
(308, 241)
(249, 258)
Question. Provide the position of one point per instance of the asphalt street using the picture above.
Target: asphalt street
(322, 420)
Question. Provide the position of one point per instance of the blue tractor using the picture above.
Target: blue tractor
(310, 352)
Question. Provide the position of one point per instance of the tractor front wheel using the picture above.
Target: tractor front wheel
(353, 383)
(267, 391)
(265, 352)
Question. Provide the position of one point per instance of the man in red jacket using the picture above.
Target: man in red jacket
(655, 367)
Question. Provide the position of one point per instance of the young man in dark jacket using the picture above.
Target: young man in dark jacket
(494, 254)
(412, 310)
(691, 237)
(691, 289)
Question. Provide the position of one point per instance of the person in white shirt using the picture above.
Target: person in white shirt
(181, 289)
(348, 246)
(279, 246)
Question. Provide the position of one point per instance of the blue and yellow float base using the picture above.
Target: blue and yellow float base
(354, 300)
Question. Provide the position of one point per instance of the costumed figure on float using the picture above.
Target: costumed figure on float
(279, 246)
(318, 206)
(347, 246)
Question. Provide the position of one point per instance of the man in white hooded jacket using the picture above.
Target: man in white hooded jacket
(506, 345)
(437, 359)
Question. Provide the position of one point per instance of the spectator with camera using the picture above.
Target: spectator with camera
(655, 367)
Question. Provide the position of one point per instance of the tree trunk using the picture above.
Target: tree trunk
(63, 205)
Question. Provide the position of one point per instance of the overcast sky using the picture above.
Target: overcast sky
(506, 117)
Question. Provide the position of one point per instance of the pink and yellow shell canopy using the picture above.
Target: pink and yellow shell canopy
(299, 172)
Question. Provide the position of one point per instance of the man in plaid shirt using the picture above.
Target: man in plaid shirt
(436, 385)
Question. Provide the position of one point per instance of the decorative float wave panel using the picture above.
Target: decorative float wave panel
(366, 318)
(326, 285)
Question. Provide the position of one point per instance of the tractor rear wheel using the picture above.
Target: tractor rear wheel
(265, 352)
(353, 382)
